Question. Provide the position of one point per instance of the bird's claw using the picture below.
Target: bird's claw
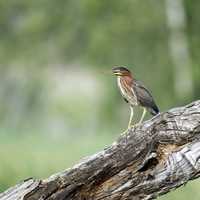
(131, 127)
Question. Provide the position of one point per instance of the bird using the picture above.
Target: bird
(134, 93)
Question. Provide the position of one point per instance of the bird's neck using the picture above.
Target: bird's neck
(127, 79)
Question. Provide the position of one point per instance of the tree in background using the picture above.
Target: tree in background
(179, 48)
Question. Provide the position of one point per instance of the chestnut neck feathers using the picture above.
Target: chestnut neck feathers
(125, 80)
(125, 84)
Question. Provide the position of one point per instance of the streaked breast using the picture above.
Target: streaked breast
(127, 91)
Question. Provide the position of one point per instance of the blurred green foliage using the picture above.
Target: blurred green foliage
(31, 155)
(52, 92)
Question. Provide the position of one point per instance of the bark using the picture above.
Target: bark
(149, 160)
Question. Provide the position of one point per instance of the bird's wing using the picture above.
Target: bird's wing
(144, 97)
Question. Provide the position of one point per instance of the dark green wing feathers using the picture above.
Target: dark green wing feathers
(145, 98)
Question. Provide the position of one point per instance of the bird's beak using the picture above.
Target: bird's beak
(117, 72)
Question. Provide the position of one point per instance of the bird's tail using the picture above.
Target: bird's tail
(154, 110)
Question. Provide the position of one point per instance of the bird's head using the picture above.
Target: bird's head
(121, 71)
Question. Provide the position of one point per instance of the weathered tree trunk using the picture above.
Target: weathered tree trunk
(149, 160)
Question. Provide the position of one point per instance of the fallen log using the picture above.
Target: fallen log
(151, 159)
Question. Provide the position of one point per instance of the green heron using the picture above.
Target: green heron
(134, 93)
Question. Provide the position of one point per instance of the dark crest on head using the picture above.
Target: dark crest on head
(121, 71)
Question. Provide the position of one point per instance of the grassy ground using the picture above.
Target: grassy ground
(40, 156)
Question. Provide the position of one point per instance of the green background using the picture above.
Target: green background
(59, 101)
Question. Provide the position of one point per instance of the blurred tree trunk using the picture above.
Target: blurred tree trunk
(150, 160)
(178, 48)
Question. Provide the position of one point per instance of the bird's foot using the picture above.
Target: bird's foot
(138, 124)
(129, 127)
(124, 132)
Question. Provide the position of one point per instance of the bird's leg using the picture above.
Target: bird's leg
(130, 120)
(143, 115)
(131, 117)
